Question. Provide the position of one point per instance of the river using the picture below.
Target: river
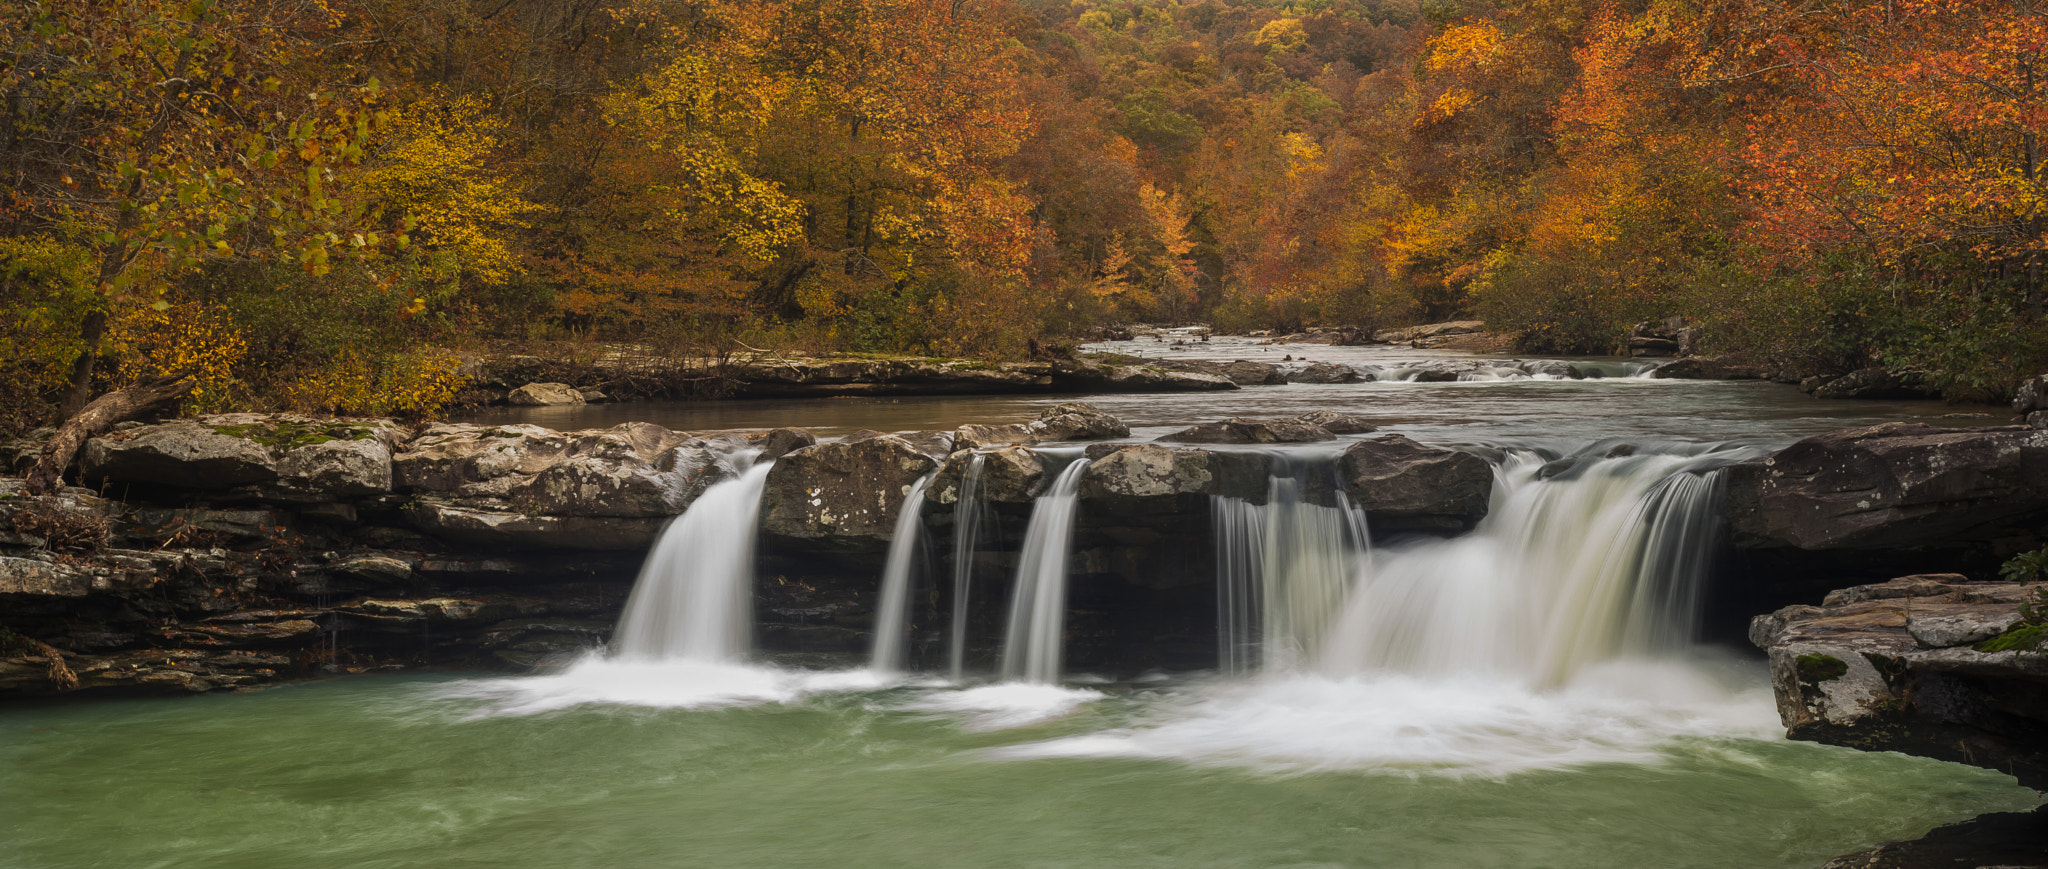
(1438, 724)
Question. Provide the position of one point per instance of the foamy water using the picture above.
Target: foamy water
(1621, 712)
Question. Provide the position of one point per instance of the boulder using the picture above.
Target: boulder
(1134, 472)
(1325, 372)
(1891, 486)
(1009, 475)
(185, 453)
(1877, 384)
(783, 441)
(1078, 421)
(1251, 431)
(1905, 666)
(617, 482)
(2031, 395)
(842, 495)
(544, 395)
(1244, 373)
(1407, 486)
(1068, 421)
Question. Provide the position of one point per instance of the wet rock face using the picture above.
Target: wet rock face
(1238, 430)
(1898, 666)
(1406, 486)
(842, 495)
(1892, 486)
(1009, 475)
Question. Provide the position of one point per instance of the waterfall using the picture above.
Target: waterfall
(1283, 569)
(1580, 559)
(967, 520)
(694, 599)
(892, 614)
(1031, 649)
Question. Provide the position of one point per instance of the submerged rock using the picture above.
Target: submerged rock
(1407, 486)
(1339, 423)
(1903, 666)
(1891, 486)
(1238, 430)
(1325, 372)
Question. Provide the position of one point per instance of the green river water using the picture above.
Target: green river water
(435, 771)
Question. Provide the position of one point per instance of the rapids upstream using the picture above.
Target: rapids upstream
(1529, 693)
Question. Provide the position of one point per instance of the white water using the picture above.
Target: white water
(892, 614)
(967, 519)
(694, 600)
(1283, 569)
(1038, 607)
(1579, 561)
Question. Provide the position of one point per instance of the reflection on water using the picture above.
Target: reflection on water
(1483, 410)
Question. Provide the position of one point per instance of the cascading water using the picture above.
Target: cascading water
(1580, 559)
(892, 615)
(967, 520)
(694, 598)
(1283, 567)
(1032, 648)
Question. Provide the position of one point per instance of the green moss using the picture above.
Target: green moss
(2021, 637)
(1815, 669)
(284, 435)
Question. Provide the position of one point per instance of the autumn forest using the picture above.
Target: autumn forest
(317, 204)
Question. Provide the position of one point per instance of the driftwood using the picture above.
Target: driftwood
(60, 673)
(97, 418)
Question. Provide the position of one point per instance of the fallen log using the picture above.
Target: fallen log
(97, 418)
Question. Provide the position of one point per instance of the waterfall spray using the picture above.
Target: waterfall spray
(1032, 648)
(892, 614)
(694, 598)
(967, 519)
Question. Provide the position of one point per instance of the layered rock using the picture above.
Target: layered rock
(1892, 486)
(1933, 665)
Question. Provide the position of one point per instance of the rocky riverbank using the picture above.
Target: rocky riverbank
(235, 550)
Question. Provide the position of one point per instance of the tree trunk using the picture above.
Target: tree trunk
(98, 417)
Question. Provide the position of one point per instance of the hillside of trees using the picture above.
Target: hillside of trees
(315, 204)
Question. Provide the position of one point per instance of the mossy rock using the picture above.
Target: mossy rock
(1815, 669)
